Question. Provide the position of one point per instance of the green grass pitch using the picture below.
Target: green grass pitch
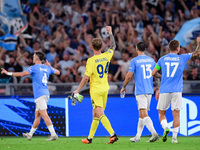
(99, 143)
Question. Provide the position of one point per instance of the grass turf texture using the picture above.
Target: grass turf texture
(99, 143)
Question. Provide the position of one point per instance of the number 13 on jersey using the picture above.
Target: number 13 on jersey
(146, 71)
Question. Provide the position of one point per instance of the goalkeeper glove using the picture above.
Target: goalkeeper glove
(76, 98)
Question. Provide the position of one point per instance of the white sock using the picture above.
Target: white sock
(140, 128)
(51, 130)
(112, 134)
(175, 132)
(149, 124)
(164, 124)
(32, 131)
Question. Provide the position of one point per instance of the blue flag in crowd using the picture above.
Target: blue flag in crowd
(188, 32)
(12, 21)
(8, 42)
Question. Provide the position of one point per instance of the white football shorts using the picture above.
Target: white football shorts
(143, 101)
(165, 99)
(41, 102)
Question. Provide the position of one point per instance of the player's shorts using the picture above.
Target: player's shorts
(99, 99)
(41, 102)
(143, 101)
(165, 99)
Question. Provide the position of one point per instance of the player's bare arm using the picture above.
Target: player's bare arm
(57, 72)
(197, 51)
(154, 72)
(84, 80)
(157, 88)
(112, 39)
(157, 75)
(157, 83)
(127, 79)
(15, 74)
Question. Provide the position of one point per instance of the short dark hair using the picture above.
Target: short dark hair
(11, 56)
(52, 45)
(40, 55)
(96, 43)
(125, 51)
(173, 45)
(141, 46)
(83, 46)
(36, 42)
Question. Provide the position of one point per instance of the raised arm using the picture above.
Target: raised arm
(22, 40)
(112, 39)
(15, 74)
(197, 51)
(2, 51)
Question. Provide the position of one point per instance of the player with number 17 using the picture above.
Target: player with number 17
(172, 66)
(40, 75)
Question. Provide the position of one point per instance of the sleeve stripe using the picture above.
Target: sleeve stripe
(157, 67)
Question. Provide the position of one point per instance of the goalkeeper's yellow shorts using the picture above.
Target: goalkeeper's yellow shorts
(99, 99)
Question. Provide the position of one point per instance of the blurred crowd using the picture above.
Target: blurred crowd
(64, 29)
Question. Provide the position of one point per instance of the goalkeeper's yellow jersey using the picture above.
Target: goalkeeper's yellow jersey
(97, 69)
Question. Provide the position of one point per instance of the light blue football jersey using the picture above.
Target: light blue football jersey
(172, 67)
(142, 67)
(40, 75)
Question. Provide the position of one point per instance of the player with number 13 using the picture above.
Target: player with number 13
(142, 66)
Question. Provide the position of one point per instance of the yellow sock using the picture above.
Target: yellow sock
(93, 127)
(106, 123)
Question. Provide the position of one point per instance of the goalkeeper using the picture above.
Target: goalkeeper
(97, 72)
